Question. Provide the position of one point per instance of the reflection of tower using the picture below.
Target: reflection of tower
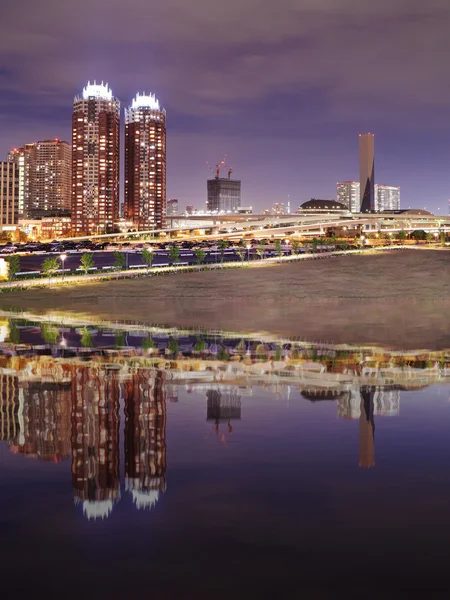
(45, 420)
(95, 440)
(145, 438)
(9, 407)
(366, 430)
(223, 407)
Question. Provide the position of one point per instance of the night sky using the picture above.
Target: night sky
(283, 87)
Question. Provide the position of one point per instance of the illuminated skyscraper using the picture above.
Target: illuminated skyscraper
(348, 195)
(95, 160)
(387, 197)
(367, 171)
(145, 163)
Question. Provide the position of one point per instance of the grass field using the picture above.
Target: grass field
(399, 299)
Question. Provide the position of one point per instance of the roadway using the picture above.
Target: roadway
(104, 260)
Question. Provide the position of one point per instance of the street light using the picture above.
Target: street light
(63, 258)
(248, 252)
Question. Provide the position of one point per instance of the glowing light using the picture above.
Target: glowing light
(97, 90)
(145, 101)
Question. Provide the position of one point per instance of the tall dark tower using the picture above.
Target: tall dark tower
(367, 171)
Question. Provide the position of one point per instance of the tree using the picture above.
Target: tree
(87, 262)
(442, 238)
(401, 235)
(278, 248)
(49, 267)
(119, 260)
(260, 253)
(419, 234)
(295, 246)
(222, 245)
(199, 255)
(241, 253)
(174, 254)
(14, 266)
(148, 257)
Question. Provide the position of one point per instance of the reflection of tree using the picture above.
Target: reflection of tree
(14, 334)
(86, 338)
(49, 333)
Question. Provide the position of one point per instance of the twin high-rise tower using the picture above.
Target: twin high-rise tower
(96, 162)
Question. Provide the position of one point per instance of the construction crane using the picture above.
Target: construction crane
(216, 170)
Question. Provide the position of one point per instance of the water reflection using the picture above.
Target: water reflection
(55, 410)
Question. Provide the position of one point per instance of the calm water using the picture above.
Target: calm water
(121, 478)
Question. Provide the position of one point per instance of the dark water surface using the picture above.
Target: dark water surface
(120, 482)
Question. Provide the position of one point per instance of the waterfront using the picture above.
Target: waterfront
(229, 465)
(398, 299)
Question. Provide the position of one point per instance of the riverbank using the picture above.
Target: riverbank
(399, 299)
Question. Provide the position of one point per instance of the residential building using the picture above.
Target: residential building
(224, 195)
(9, 196)
(348, 194)
(45, 177)
(145, 163)
(95, 160)
(387, 197)
(367, 172)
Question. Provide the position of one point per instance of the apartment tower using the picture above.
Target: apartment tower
(145, 163)
(367, 172)
(95, 160)
(45, 178)
(348, 195)
(387, 197)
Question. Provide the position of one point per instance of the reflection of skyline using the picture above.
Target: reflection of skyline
(364, 404)
(145, 438)
(95, 440)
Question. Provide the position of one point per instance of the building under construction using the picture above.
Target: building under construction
(224, 193)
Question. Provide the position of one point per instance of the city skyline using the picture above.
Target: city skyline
(240, 93)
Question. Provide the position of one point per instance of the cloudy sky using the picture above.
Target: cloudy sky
(282, 87)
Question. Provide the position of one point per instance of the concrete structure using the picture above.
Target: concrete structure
(322, 206)
(95, 160)
(224, 195)
(9, 196)
(145, 163)
(367, 172)
(172, 207)
(387, 197)
(45, 177)
(348, 194)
